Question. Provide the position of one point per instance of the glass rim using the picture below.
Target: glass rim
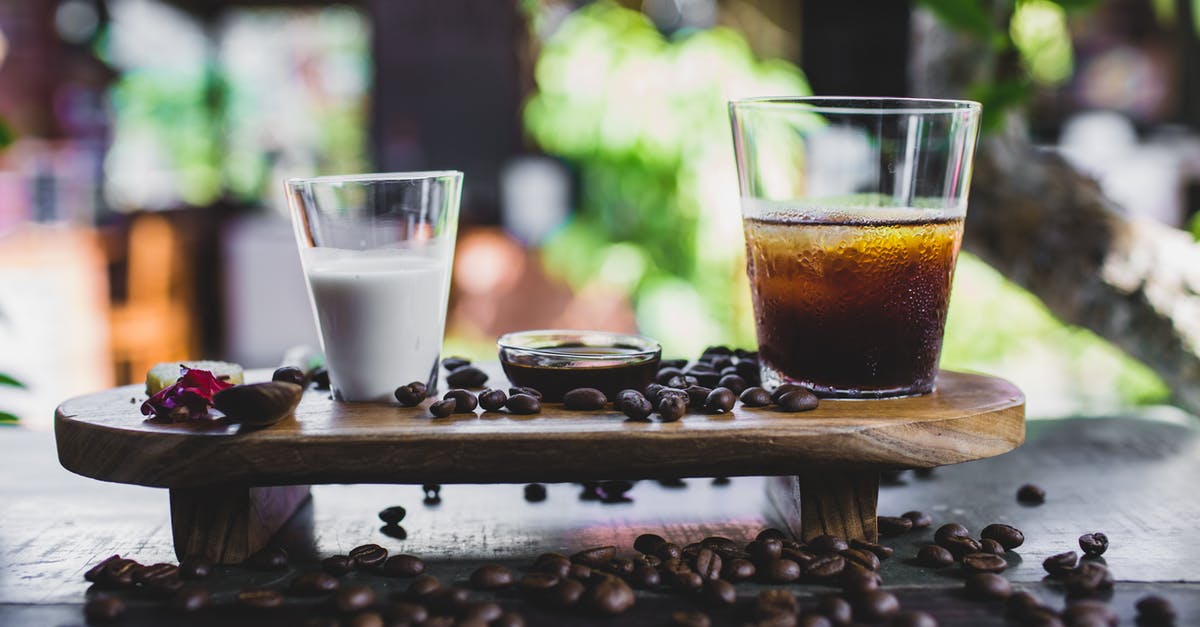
(374, 177)
(859, 105)
(526, 342)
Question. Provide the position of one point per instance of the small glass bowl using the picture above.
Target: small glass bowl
(555, 362)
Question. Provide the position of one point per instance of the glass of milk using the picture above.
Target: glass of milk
(377, 251)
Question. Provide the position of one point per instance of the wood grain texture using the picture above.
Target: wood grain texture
(103, 436)
(226, 524)
(827, 501)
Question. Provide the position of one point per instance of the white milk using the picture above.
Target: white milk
(381, 314)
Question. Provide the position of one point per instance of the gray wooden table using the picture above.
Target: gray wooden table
(1133, 479)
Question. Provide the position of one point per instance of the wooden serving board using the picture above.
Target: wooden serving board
(831, 456)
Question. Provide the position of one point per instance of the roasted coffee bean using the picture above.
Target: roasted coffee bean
(1061, 564)
(553, 563)
(537, 583)
(492, 577)
(442, 408)
(483, 611)
(406, 613)
(718, 592)
(189, 599)
(949, 530)
(1094, 544)
(411, 395)
(464, 401)
(734, 383)
(881, 551)
(1088, 614)
(784, 389)
(1008, 536)
(867, 559)
(584, 399)
(354, 598)
(365, 619)
(780, 571)
(1021, 604)
(920, 520)
(528, 391)
(634, 405)
(826, 566)
(875, 606)
(582, 572)
(194, 568)
(270, 558)
(393, 515)
(913, 619)
(596, 556)
(313, 584)
(765, 551)
(96, 572)
(1088, 579)
(394, 531)
(1155, 610)
(259, 598)
(337, 565)
(1031, 494)
(450, 600)
(962, 545)
(664, 375)
(755, 397)
(523, 404)
(609, 596)
(423, 587)
(103, 609)
(535, 493)
(671, 408)
(648, 543)
(988, 545)
(836, 609)
(467, 377)
(721, 399)
(687, 580)
(935, 556)
(620, 566)
(797, 400)
(827, 544)
(154, 573)
(707, 564)
(669, 550)
(684, 618)
(696, 395)
(492, 400)
(689, 551)
(777, 601)
(984, 563)
(454, 363)
(289, 374)
(403, 566)
(678, 364)
(682, 382)
(738, 569)
(651, 560)
(368, 555)
(893, 525)
(707, 377)
(509, 619)
(645, 576)
(987, 586)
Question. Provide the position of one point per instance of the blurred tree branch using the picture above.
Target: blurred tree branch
(1051, 230)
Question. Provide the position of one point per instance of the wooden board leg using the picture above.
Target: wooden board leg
(225, 525)
(828, 502)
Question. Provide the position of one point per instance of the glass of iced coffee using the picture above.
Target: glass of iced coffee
(853, 213)
(377, 251)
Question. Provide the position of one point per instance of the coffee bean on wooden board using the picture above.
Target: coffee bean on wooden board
(986, 586)
(797, 401)
(422, 587)
(609, 596)
(1061, 564)
(875, 606)
(595, 556)
(535, 492)
(482, 611)
(368, 555)
(881, 551)
(1094, 544)
(523, 404)
(866, 559)
(442, 408)
(777, 601)
(719, 592)
(755, 397)
(1031, 494)
(645, 576)
(453, 363)
(721, 399)
(289, 374)
(403, 566)
(988, 545)
(259, 598)
(634, 405)
(984, 563)
(492, 400)
(1155, 610)
(827, 544)
(312, 584)
(189, 599)
(949, 530)
(467, 377)
(671, 408)
(934, 556)
(707, 564)
(566, 594)
(836, 609)
(857, 581)
(893, 525)
(738, 569)
(337, 565)
(492, 577)
(103, 609)
(682, 381)
(734, 383)
(825, 566)
(411, 394)
(686, 580)
(962, 545)
(584, 399)
(354, 598)
(464, 401)
(1008, 536)
(920, 520)
(1088, 579)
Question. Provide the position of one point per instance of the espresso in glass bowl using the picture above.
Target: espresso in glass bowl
(555, 362)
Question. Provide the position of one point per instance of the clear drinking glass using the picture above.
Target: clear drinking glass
(377, 252)
(853, 212)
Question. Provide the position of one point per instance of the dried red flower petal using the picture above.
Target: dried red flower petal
(189, 398)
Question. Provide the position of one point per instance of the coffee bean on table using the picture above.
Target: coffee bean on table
(1088, 579)
(1031, 494)
(881, 551)
(567, 593)
(189, 599)
(645, 576)
(259, 598)
(962, 545)
(634, 405)
(148, 575)
(403, 566)
(1094, 544)
(707, 564)
(836, 609)
(96, 572)
(483, 611)
(777, 601)
(584, 399)
(354, 598)
(986, 586)
(949, 530)
(1008, 536)
(552, 563)
(875, 606)
(492, 400)
(464, 401)
(696, 395)
(595, 556)
(454, 363)
(664, 375)
(609, 596)
(337, 565)
(719, 592)
(103, 609)
(194, 568)
(734, 383)
(289, 374)
(721, 399)
(686, 580)
(988, 545)
(984, 563)
(934, 556)
(920, 520)
(270, 558)
(492, 577)
(755, 397)
(780, 571)
(797, 400)
(893, 525)
(825, 566)
(523, 404)
(1155, 610)
(1061, 564)
(411, 395)
(467, 377)
(535, 493)
(857, 581)
(320, 378)
(648, 543)
(1088, 614)
(313, 583)
(393, 515)
(765, 551)
(422, 587)
(368, 555)
(450, 600)
(683, 618)
(738, 569)
(442, 408)
(827, 544)
(866, 559)
(537, 582)
(671, 408)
